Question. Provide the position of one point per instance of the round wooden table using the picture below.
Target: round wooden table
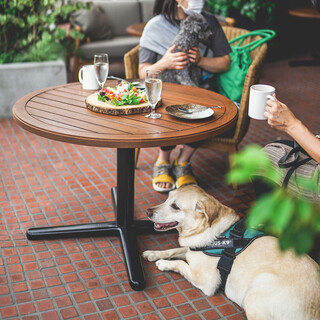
(308, 13)
(60, 113)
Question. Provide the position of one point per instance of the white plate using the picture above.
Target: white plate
(196, 111)
(139, 85)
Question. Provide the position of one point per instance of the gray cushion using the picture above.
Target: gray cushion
(115, 47)
(94, 23)
(146, 9)
(120, 14)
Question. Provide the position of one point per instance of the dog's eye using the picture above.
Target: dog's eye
(174, 206)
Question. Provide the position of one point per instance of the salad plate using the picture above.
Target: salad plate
(123, 99)
(189, 111)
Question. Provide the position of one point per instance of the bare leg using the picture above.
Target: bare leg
(186, 154)
(164, 156)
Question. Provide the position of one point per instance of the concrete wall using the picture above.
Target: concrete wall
(18, 79)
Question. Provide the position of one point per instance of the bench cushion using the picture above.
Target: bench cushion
(93, 23)
(115, 47)
(146, 9)
(120, 14)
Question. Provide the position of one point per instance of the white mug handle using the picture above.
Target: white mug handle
(80, 75)
(269, 96)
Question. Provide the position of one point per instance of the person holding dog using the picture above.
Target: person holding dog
(158, 53)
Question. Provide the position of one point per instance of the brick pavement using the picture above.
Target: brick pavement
(45, 182)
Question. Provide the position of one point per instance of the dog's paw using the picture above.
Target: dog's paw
(150, 255)
(163, 265)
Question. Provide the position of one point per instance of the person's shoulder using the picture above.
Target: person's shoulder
(211, 18)
(155, 21)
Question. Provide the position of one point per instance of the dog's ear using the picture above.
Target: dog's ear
(207, 208)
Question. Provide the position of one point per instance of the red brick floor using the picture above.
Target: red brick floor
(45, 182)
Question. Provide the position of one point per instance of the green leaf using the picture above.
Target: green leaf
(60, 33)
(303, 241)
(304, 210)
(282, 212)
(317, 223)
(261, 211)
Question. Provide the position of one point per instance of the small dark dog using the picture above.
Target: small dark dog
(193, 30)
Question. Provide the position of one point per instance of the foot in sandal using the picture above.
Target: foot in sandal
(183, 173)
(163, 179)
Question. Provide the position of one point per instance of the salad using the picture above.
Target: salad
(123, 93)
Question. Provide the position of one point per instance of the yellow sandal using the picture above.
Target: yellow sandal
(162, 172)
(183, 173)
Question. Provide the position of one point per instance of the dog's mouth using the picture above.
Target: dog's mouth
(165, 226)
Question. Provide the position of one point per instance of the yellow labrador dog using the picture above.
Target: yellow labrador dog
(266, 283)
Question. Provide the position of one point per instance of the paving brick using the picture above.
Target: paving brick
(104, 304)
(8, 312)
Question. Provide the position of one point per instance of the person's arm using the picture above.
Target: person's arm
(170, 60)
(280, 117)
(211, 64)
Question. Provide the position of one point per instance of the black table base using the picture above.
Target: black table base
(125, 226)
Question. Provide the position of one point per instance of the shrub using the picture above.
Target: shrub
(29, 30)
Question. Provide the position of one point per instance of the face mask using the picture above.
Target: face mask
(194, 6)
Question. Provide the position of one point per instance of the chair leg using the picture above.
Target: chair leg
(136, 157)
(231, 152)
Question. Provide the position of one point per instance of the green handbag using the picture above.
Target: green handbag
(230, 83)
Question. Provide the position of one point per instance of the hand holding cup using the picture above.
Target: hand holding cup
(279, 116)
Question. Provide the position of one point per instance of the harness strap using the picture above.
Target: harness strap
(228, 255)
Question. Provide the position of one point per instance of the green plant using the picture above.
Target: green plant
(290, 217)
(29, 30)
(249, 8)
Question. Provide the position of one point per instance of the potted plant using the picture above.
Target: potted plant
(33, 46)
(251, 14)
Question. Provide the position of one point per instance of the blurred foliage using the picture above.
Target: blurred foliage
(290, 217)
(248, 8)
(29, 30)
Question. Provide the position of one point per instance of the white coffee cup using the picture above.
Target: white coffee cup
(259, 94)
(87, 78)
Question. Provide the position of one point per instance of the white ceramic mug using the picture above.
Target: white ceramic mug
(87, 78)
(259, 94)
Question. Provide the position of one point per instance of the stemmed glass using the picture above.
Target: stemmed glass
(153, 85)
(101, 67)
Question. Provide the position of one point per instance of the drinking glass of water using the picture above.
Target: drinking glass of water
(101, 67)
(153, 85)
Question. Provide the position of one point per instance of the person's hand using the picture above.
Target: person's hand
(174, 60)
(194, 55)
(279, 116)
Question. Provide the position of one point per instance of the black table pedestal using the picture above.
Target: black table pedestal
(125, 226)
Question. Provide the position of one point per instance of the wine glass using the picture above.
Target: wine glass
(153, 84)
(101, 67)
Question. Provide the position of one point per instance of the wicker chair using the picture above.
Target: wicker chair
(230, 145)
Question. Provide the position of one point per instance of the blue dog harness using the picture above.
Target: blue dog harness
(228, 245)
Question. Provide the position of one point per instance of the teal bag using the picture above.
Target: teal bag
(230, 83)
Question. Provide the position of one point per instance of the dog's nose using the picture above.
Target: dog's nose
(149, 212)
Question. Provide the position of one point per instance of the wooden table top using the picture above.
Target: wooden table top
(60, 113)
(308, 12)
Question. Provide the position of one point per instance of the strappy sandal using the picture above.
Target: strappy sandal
(162, 172)
(183, 173)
